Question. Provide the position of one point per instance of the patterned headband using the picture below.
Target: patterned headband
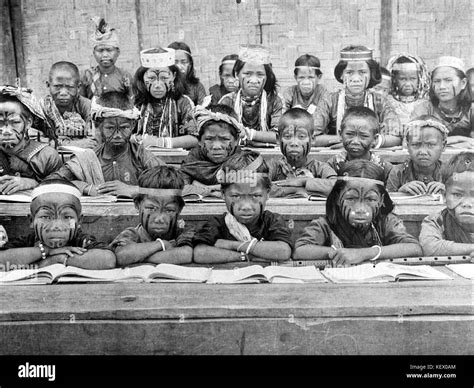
(427, 123)
(99, 111)
(55, 189)
(203, 116)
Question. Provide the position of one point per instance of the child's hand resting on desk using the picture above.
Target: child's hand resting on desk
(435, 188)
(117, 188)
(414, 188)
(11, 184)
(344, 257)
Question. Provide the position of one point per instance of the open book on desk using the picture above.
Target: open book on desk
(464, 270)
(382, 272)
(144, 273)
(425, 199)
(270, 274)
(208, 198)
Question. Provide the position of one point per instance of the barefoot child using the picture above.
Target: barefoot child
(70, 112)
(228, 83)
(247, 232)
(359, 134)
(157, 238)
(421, 173)
(55, 213)
(294, 171)
(359, 224)
(451, 232)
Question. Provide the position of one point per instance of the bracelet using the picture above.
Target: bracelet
(43, 251)
(380, 141)
(163, 248)
(378, 253)
(65, 261)
(240, 246)
(253, 242)
(89, 191)
(251, 134)
(244, 256)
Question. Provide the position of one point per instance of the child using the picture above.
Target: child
(105, 77)
(410, 85)
(359, 224)
(23, 162)
(166, 113)
(218, 136)
(55, 213)
(451, 101)
(256, 103)
(247, 231)
(358, 72)
(470, 77)
(228, 83)
(421, 173)
(113, 167)
(308, 92)
(451, 232)
(184, 62)
(294, 170)
(70, 112)
(359, 134)
(157, 238)
(383, 88)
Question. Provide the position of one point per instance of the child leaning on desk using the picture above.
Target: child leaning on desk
(359, 224)
(246, 232)
(451, 231)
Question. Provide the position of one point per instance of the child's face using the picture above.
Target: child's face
(460, 197)
(106, 55)
(246, 201)
(217, 142)
(295, 140)
(181, 60)
(425, 146)
(447, 84)
(406, 82)
(116, 131)
(55, 218)
(306, 79)
(158, 215)
(359, 136)
(383, 88)
(359, 203)
(252, 79)
(356, 76)
(63, 87)
(158, 81)
(13, 124)
(227, 78)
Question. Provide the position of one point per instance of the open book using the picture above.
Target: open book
(212, 197)
(464, 270)
(271, 274)
(383, 272)
(399, 197)
(148, 273)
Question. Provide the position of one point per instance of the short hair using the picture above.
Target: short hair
(470, 72)
(308, 60)
(457, 164)
(116, 100)
(375, 74)
(231, 57)
(64, 65)
(294, 114)
(360, 112)
(271, 82)
(240, 161)
(161, 177)
(464, 99)
(223, 109)
(191, 73)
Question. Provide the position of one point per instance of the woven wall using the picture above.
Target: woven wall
(56, 31)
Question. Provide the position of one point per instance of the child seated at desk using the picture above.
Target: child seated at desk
(359, 134)
(55, 212)
(451, 232)
(246, 232)
(421, 173)
(294, 171)
(157, 238)
(359, 224)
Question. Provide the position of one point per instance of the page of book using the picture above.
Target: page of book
(179, 273)
(250, 274)
(309, 274)
(464, 270)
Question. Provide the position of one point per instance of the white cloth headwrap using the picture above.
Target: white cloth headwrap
(55, 188)
(99, 111)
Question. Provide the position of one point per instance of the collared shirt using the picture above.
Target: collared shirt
(405, 172)
(95, 83)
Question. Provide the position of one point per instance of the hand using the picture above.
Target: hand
(11, 184)
(117, 188)
(169, 244)
(413, 188)
(345, 257)
(293, 182)
(227, 244)
(56, 259)
(435, 188)
(69, 251)
(455, 140)
(336, 146)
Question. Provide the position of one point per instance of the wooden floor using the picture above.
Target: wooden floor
(411, 318)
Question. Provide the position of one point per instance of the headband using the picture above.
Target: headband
(228, 62)
(356, 55)
(254, 53)
(99, 112)
(160, 192)
(407, 66)
(25, 97)
(428, 123)
(360, 179)
(150, 58)
(55, 188)
(307, 67)
(384, 76)
(184, 51)
(203, 116)
(455, 62)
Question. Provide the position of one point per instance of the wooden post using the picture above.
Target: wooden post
(8, 59)
(138, 17)
(385, 31)
(16, 20)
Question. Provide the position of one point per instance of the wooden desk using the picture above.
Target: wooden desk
(412, 318)
(105, 221)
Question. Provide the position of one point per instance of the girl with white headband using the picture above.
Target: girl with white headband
(451, 101)
(228, 82)
(55, 214)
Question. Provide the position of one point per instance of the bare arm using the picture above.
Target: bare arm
(204, 254)
(137, 252)
(325, 140)
(178, 255)
(20, 255)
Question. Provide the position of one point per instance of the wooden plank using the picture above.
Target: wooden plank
(17, 31)
(385, 31)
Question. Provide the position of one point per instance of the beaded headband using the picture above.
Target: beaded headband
(150, 58)
(356, 55)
